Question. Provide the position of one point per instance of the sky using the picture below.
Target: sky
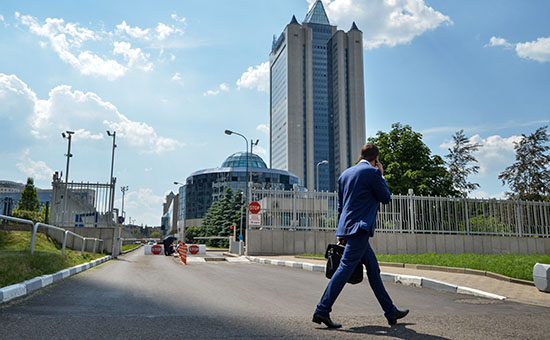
(170, 76)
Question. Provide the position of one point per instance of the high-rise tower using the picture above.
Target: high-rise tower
(317, 105)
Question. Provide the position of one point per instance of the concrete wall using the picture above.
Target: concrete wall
(106, 234)
(282, 242)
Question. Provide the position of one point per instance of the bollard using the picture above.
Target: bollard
(541, 277)
(182, 250)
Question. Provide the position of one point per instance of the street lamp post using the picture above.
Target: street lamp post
(111, 180)
(123, 189)
(317, 166)
(229, 132)
(67, 135)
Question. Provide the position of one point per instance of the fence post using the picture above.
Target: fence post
(47, 212)
(519, 218)
(95, 244)
(64, 242)
(466, 214)
(102, 246)
(411, 211)
(83, 245)
(33, 236)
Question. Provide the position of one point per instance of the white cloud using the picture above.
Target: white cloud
(144, 205)
(538, 50)
(263, 128)
(223, 87)
(389, 22)
(85, 113)
(176, 77)
(68, 40)
(494, 41)
(256, 78)
(259, 150)
(134, 56)
(134, 32)
(35, 169)
(486, 195)
(164, 31)
(172, 57)
(177, 18)
(494, 155)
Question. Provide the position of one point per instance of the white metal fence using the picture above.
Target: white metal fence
(297, 210)
(82, 204)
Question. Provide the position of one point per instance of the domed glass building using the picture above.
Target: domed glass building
(203, 187)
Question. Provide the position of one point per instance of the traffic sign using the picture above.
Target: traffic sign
(120, 220)
(156, 249)
(254, 207)
(254, 219)
(193, 249)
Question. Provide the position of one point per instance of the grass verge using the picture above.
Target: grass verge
(18, 265)
(519, 266)
(130, 246)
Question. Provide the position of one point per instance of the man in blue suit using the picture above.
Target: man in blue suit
(360, 190)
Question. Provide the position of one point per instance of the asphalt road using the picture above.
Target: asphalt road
(154, 297)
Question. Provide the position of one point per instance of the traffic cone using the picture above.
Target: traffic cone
(182, 249)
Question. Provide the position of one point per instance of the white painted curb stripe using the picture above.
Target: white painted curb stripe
(406, 280)
(20, 289)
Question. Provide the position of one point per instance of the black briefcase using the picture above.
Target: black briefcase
(334, 255)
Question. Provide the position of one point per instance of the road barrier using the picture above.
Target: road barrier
(182, 250)
(67, 232)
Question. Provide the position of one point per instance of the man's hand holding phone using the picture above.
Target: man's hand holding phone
(379, 166)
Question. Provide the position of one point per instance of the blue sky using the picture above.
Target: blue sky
(171, 76)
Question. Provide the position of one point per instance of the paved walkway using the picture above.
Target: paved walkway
(513, 291)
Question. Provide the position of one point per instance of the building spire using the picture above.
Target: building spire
(353, 27)
(293, 21)
(317, 14)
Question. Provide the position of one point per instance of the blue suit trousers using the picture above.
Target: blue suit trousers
(357, 250)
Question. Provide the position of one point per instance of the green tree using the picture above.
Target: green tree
(222, 214)
(29, 201)
(409, 164)
(529, 176)
(460, 156)
(28, 207)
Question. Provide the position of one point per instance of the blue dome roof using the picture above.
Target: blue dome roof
(238, 159)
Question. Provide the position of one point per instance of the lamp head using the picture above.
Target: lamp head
(63, 135)
(228, 132)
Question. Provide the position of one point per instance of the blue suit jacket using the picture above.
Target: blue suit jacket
(360, 190)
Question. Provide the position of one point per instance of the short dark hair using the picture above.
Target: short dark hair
(369, 152)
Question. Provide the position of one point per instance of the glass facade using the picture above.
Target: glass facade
(321, 36)
(279, 109)
(205, 186)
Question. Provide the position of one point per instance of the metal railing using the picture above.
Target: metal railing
(66, 234)
(298, 210)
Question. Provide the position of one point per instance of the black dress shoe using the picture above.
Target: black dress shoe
(318, 318)
(400, 314)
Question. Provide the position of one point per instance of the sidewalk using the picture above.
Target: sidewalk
(512, 291)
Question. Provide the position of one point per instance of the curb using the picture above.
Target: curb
(444, 269)
(131, 250)
(406, 280)
(24, 288)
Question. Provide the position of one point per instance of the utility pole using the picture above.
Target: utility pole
(67, 135)
(123, 189)
(111, 179)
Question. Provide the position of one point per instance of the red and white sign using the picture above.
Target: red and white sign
(156, 249)
(254, 207)
(153, 249)
(254, 219)
(193, 249)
